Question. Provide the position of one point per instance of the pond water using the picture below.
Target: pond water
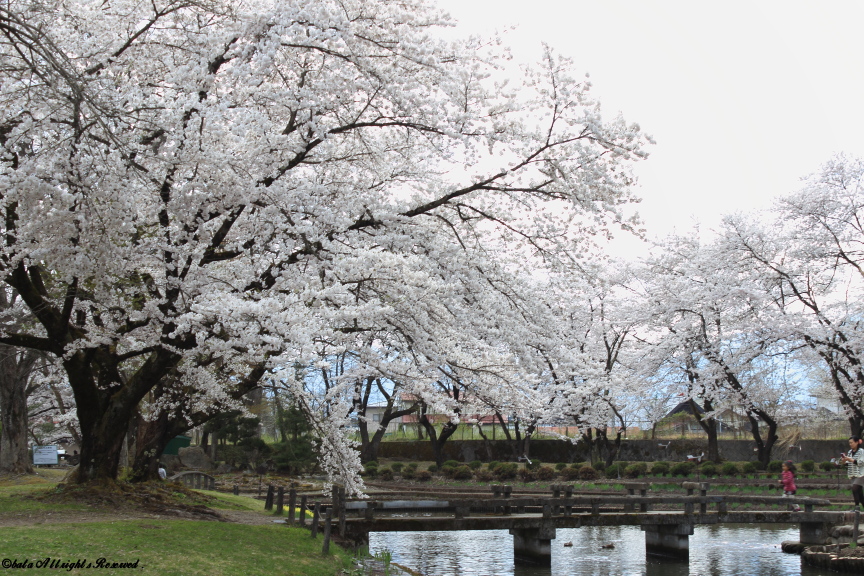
(728, 550)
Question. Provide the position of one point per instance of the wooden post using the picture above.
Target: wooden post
(507, 491)
(268, 503)
(316, 517)
(236, 490)
(334, 496)
(280, 501)
(342, 512)
(328, 524)
(303, 510)
(856, 526)
(292, 502)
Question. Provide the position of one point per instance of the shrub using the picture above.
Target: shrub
(660, 468)
(613, 471)
(775, 466)
(600, 466)
(577, 465)
(397, 467)
(506, 471)
(570, 473)
(560, 466)
(385, 474)
(729, 469)
(448, 471)
(424, 475)
(636, 470)
(545, 473)
(412, 465)
(409, 473)
(484, 476)
(588, 473)
(808, 466)
(370, 469)
(533, 465)
(432, 468)
(750, 468)
(526, 475)
(682, 469)
(623, 464)
(492, 465)
(759, 465)
(475, 464)
(709, 469)
(462, 472)
(453, 463)
(827, 466)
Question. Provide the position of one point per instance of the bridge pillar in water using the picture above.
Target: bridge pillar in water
(814, 533)
(533, 545)
(669, 540)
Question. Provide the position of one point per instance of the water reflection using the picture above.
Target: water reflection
(714, 551)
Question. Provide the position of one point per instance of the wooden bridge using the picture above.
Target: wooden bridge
(533, 521)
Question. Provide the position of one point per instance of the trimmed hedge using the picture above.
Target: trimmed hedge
(682, 469)
(588, 473)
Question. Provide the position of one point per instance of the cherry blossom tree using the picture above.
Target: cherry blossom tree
(198, 193)
(715, 328)
(583, 360)
(810, 260)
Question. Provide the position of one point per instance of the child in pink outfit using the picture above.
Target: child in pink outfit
(788, 481)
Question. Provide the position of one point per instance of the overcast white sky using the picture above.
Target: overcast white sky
(743, 97)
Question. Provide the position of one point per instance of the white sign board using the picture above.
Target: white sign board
(44, 454)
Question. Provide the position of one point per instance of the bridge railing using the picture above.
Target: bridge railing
(563, 502)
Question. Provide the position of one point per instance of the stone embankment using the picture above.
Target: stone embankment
(838, 554)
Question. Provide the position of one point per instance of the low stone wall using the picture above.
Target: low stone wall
(631, 450)
(835, 558)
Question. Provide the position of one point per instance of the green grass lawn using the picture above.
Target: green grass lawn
(176, 547)
(160, 547)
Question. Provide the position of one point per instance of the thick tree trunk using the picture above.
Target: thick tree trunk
(709, 425)
(612, 447)
(856, 426)
(105, 407)
(764, 446)
(15, 369)
(14, 456)
(151, 441)
(438, 440)
(486, 443)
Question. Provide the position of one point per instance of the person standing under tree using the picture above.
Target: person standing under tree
(855, 470)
